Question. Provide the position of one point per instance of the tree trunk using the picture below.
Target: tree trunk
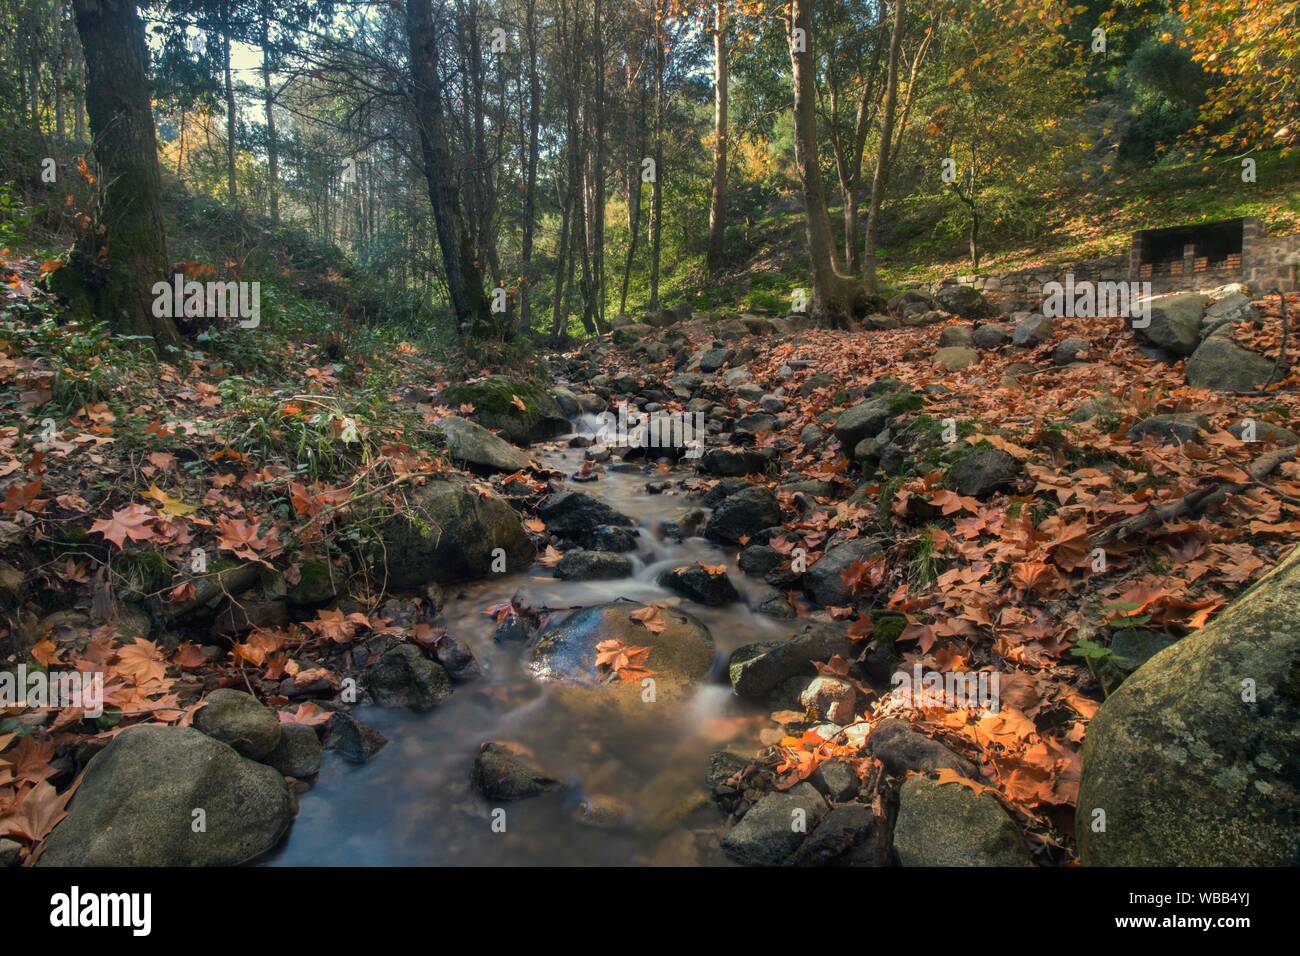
(79, 120)
(880, 179)
(484, 188)
(717, 200)
(180, 150)
(232, 119)
(850, 229)
(126, 149)
(636, 146)
(60, 69)
(464, 278)
(596, 217)
(656, 188)
(272, 146)
(559, 314)
(530, 186)
(836, 297)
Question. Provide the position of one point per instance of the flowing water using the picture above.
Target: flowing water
(413, 805)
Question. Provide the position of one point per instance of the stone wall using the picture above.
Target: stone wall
(1028, 284)
(1267, 262)
(1272, 262)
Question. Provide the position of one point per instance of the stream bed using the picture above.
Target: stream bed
(644, 773)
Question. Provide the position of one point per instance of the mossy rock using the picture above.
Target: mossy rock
(141, 573)
(318, 582)
(494, 407)
(448, 533)
(1193, 760)
(906, 401)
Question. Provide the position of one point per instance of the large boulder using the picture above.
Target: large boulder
(952, 825)
(448, 534)
(576, 517)
(137, 804)
(1234, 307)
(681, 652)
(963, 300)
(824, 580)
(584, 565)
(1175, 322)
(240, 720)
(495, 406)
(990, 336)
(1224, 366)
(864, 420)
(404, 677)
(475, 445)
(756, 670)
(700, 585)
(1032, 329)
(775, 827)
(904, 750)
(744, 513)
(852, 834)
(1195, 759)
(911, 301)
(734, 462)
(983, 469)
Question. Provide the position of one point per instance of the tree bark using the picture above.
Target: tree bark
(636, 150)
(60, 69)
(530, 185)
(656, 187)
(464, 277)
(272, 146)
(880, 179)
(232, 119)
(717, 200)
(836, 297)
(559, 313)
(79, 115)
(596, 217)
(126, 149)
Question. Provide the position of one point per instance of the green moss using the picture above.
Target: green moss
(495, 394)
(493, 399)
(318, 582)
(901, 402)
(142, 572)
(886, 626)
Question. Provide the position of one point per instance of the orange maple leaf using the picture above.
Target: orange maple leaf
(142, 660)
(37, 812)
(625, 661)
(129, 522)
(650, 617)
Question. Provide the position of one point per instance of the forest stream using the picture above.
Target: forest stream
(633, 788)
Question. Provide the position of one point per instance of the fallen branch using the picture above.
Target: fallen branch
(1194, 502)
